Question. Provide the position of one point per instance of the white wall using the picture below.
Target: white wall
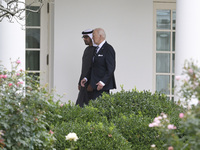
(12, 43)
(129, 28)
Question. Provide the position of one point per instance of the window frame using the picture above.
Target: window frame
(164, 5)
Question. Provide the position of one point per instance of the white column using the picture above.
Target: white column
(12, 43)
(187, 33)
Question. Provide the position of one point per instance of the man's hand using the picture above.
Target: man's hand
(83, 81)
(99, 86)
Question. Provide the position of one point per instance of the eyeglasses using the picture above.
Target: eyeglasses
(85, 36)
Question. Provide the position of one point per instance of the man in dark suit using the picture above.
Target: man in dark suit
(101, 74)
(84, 95)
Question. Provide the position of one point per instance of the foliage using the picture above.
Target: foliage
(190, 81)
(91, 136)
(132, 111)
(22, 111)
(135, 129)
(136, 102)
(188, 136)
(30, 119)
(128, 113)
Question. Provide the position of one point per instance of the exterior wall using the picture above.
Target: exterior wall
(129, 28)
(12, 43)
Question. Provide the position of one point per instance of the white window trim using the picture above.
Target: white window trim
(160, 4)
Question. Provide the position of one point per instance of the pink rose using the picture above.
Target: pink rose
(178, 78)
(190, 71)
(20, 82)
(4, 76)
(181, 115)
(171, 126)
(170, 148)
(18, 61)
(151, 125)
(10, 84)
(51, 132)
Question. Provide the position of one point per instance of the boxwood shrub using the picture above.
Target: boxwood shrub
(94, 136)
(129, 113)
(137, 102)
(136, 130)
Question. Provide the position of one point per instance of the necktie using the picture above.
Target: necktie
(95, 52)
(96, 49)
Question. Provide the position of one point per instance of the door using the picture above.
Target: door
(39, 29)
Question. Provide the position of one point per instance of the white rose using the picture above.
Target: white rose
(153, 145)
(72, 136)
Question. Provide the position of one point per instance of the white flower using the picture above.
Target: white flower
(72, 136)
(153, 145)
(164, 116)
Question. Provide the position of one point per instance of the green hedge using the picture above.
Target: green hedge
(128, 112)
(30, 119)
(93, 136)
(143, 102)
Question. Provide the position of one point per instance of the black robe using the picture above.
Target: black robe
(83, 95)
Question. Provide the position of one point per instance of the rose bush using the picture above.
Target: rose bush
(188, 137)
(22, 111)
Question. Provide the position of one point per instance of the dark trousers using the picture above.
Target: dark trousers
(83, 97)
(96, 93)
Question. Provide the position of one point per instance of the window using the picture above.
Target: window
(33, 41)
(164, 48)
(38, 40)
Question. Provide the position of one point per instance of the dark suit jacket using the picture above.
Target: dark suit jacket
(103, 68)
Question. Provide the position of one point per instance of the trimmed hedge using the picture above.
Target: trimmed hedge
(128, 113)
(93, 136)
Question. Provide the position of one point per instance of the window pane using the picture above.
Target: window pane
(172, 99)
(162, 63)
(162, 84)
(163, 41)
(174, 19)
(163, 19)
(173, 85)
(33, 18)
(32, 38)
(33, 60)
(35, 76)
(173, 63)
(173, 41)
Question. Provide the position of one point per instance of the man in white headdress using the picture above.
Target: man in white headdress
(84, 95)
